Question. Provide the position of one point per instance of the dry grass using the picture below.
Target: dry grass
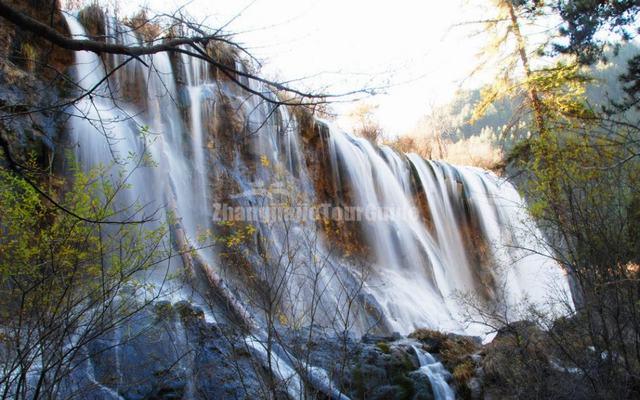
(93, 19)
(144, 27)
(407, 144)
(451, 349)
(30, 54)
(476, 151)
(463, 372)
(456, 349)
(424, 334)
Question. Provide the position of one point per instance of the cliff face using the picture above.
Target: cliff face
(34, 76)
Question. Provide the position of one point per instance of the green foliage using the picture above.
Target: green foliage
(559, 93)
(580, 180)
(590, 27)
(62, 277)
(582, 175)
(407, 388)
(631, 84)
(561, 89)
(504, 121)
(358, 382)
(584, 19)
(45, 252)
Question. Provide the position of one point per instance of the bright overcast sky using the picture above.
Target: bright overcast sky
(346, 44)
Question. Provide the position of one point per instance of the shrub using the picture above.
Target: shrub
(65, 280)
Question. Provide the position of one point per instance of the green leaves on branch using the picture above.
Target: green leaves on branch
(53, 264)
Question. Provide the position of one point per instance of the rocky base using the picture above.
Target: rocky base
(171, 352)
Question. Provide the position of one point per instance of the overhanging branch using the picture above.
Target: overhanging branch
(170, 45)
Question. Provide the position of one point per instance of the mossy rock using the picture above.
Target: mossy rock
(187, 310)
(422, 386)
(384, 347)
(431, 340)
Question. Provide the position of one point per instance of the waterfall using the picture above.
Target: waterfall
(436, 373)
(411, 271)
(449, 231)
(143, 148)
(103, 130)
(422, 267)
(185, 141)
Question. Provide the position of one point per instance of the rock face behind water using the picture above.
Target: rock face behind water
(32, 78)
(169, 352)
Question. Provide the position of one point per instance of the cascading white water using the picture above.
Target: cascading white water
(102, 130)
(125, 138)
(411, 271)
(441, 189)
(179, 170)
(436, 373)
(524, 264)
(420, 273)
(420, 263)
(419, 268)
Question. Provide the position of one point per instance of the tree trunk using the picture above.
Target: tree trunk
(536, 104)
